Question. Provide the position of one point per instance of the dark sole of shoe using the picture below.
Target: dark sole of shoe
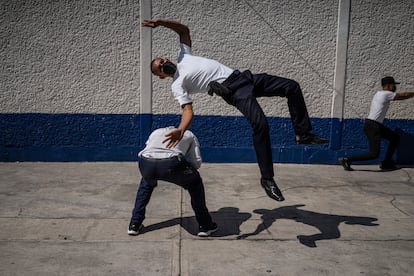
(389, 169)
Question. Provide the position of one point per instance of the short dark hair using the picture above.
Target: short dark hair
(152, 63)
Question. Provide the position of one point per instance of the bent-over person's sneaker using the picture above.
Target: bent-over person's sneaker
(135, 228)
(207, 231)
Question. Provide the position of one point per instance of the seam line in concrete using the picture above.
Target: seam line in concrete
(395, 206)
(180, 236)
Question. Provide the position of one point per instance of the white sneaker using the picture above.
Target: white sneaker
(135, 229)
(207, 231)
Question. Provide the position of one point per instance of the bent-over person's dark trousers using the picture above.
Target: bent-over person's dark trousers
(246, 88)
(175, 170)
(374, 132)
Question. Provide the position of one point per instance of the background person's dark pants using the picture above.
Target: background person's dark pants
(374, 132)
(177, 171)
(247, 87)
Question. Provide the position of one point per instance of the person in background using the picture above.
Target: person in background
(177, 165)
(374, 128)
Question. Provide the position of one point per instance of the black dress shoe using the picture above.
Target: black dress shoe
(388, 166)
(310, 139)
(345, 163)
(271, 189)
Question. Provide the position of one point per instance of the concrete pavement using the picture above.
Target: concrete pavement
(72, 218)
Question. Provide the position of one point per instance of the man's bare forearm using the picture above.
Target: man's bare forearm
(175, 136)
(403, 96)
(186, 117)
(182, 30)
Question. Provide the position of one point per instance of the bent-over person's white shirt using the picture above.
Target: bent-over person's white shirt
(189, 147)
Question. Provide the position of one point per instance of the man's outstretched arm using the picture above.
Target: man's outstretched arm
(175, 136)
(403, 96)
(182, 30)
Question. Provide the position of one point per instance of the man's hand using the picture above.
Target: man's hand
(152, 23)
(180, 29)
(173, 138)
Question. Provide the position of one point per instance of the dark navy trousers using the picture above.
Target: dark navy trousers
(246, 87)
(375, 132)
(175, 170)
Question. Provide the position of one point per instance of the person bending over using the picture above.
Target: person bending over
(177, 165)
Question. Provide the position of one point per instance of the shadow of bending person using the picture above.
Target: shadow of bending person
(327, 224)
(228, 219)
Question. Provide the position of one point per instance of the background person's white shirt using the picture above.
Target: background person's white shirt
(380, 104)
(188, 147)
(194, 73)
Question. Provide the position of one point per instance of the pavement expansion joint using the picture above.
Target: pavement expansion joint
(396, 207)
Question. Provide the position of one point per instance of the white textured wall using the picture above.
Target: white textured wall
(83, 56)
(69, 56)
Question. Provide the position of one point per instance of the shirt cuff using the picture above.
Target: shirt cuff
(184, 100)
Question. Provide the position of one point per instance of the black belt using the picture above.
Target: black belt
(173, 158)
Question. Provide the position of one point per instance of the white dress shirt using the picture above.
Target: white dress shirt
(188, 147)
(194, 73)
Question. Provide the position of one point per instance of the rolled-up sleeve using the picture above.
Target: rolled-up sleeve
(194, 154)
(180, 94)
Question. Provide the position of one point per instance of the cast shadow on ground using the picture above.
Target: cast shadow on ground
(228, 219)
(327, 224)
(377, 170)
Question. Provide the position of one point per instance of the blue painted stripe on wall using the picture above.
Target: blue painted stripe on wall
(69, 137)
(118, 137)
(335, 136)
